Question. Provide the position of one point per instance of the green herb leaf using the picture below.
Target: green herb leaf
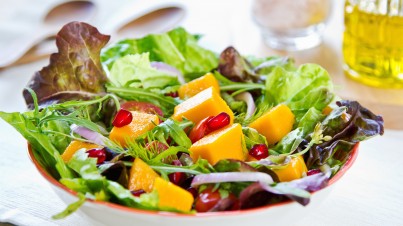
(172, 129)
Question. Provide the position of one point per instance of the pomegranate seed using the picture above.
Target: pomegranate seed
(192, 191)
(122, 118)
(177, 178)
(218, 121)
(313, 171)
(172, 94)
(100, 154)
(137, 193)
(259, 151)
(199, 130)
(176, 162)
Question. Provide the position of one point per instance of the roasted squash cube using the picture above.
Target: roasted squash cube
(225, 143)
(294, 170)
(172, 196)
(196, 86)
(141, 176)
(141, 123)
(76, 145)
(275, 124)
(206, 103)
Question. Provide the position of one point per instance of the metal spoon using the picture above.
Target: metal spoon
(57, 16)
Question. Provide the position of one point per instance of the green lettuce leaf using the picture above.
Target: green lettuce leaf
(308, 86)
(177, 48)
(252, 137)
(75, 72)
(136, 71)
(71, 208)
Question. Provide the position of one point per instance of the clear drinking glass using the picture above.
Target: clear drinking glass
(373, 42)
(291, 24)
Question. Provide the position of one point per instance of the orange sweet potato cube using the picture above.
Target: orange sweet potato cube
(225, 143)
(275, 124)
(172, 196)
(141, 176)
(76, 145)
(206, 103)
(141, 123)
(197, 85)
(294, 170)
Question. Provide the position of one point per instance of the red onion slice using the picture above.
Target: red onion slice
(231, 177)
(268, 162)
(161, 66)
(258, 186)
(90, 135)
(247, 97)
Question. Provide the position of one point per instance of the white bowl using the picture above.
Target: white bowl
(284, 213)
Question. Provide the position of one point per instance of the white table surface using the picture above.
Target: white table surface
(369, 194)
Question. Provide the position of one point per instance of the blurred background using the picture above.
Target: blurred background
(222, 23)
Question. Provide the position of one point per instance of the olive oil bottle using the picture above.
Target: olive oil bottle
(373, 42)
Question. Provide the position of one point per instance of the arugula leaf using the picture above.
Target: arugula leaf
(26, 124)
(75, 72)
(172, 129)
(173, 150)
(166, 103)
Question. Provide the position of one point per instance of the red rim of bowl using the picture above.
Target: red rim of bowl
(56, 183)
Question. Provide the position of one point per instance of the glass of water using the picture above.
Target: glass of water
(291, 24)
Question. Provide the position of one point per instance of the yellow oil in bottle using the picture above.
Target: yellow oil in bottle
(373, 46)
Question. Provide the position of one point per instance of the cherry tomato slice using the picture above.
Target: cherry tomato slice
(207, 199)
(142, 107)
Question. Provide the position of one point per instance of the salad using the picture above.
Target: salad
(161, 123)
